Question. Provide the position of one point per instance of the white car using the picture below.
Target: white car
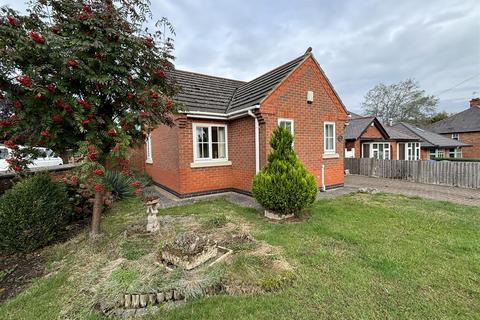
(50, 159)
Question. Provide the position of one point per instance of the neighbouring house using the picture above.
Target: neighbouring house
(433, 145)
(221, 139)
(464, 127)
(367, 137)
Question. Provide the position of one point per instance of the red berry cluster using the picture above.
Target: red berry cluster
(72, 63)
(24, 81)
(12, 21)
(84, 104)
(35, 36)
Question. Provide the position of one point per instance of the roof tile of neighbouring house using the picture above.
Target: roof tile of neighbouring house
(399, 135)
(465, 121)
(356, 127)
(221, 95)
(429, 139)
(358, 124)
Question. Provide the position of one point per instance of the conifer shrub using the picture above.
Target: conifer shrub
(33, 214)
(284, 186)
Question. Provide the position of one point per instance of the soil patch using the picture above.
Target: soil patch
(17, 272)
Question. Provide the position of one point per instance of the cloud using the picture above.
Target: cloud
(358, 43)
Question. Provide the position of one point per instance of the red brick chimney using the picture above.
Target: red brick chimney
(475, 102)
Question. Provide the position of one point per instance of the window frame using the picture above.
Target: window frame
(291, 121)
(456, 136)
(334, 149)
(371, 149)
(416, 151)
(196, 159)
(457, 152)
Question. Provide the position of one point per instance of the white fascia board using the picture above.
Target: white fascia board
(219, 116)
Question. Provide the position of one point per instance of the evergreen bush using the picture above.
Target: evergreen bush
(32, 214)
(284, 186)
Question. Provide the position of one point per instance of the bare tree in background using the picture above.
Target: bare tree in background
(403, 101)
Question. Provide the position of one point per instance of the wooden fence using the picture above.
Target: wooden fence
(457, 174)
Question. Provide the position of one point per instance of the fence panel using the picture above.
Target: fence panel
(457, 174)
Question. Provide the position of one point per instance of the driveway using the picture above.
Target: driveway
(453, 194)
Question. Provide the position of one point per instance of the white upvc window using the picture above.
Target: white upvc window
(436, 153)
(329, 137)
(376, 150)
(408, 151)
(286, 123)
(148, 148)
(209, 142)
(455, 153)
(456, 136)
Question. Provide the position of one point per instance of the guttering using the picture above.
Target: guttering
(220, 116)
(257, 141)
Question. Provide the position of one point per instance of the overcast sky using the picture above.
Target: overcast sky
(358, 43)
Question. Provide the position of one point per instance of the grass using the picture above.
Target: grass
(359, 256)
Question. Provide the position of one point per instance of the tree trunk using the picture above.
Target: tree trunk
(97, 212)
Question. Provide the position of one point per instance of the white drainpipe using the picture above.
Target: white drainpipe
(257, 142)
(323, 178)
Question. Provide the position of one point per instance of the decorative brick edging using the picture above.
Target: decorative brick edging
(136, 301)
(138, 304)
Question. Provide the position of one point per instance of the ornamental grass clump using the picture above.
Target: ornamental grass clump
(284, 186)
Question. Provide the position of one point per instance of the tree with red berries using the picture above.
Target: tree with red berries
(84, 75)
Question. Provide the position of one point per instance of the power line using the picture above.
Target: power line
(462, 82)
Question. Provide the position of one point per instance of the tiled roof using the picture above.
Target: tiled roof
(252, 92)
(399, 135)
(354, 115)
(356, 127)
(205, 93)
(358, 124)
(429, 139)
(220, 95)
(465, 121)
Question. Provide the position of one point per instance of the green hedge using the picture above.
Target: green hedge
(458, 159)
(284, 186)
(32, 214)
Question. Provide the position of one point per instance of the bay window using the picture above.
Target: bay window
(209, 142)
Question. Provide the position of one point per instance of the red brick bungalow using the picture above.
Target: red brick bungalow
(366, 137)
(221, 139)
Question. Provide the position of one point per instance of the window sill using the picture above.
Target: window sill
(206, 164)
(331, 156)
(149, 161)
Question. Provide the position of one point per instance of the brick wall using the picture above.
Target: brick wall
(289, 101)
(472, 138)
(165, 155)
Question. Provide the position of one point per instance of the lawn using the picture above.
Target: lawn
(359, 256)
